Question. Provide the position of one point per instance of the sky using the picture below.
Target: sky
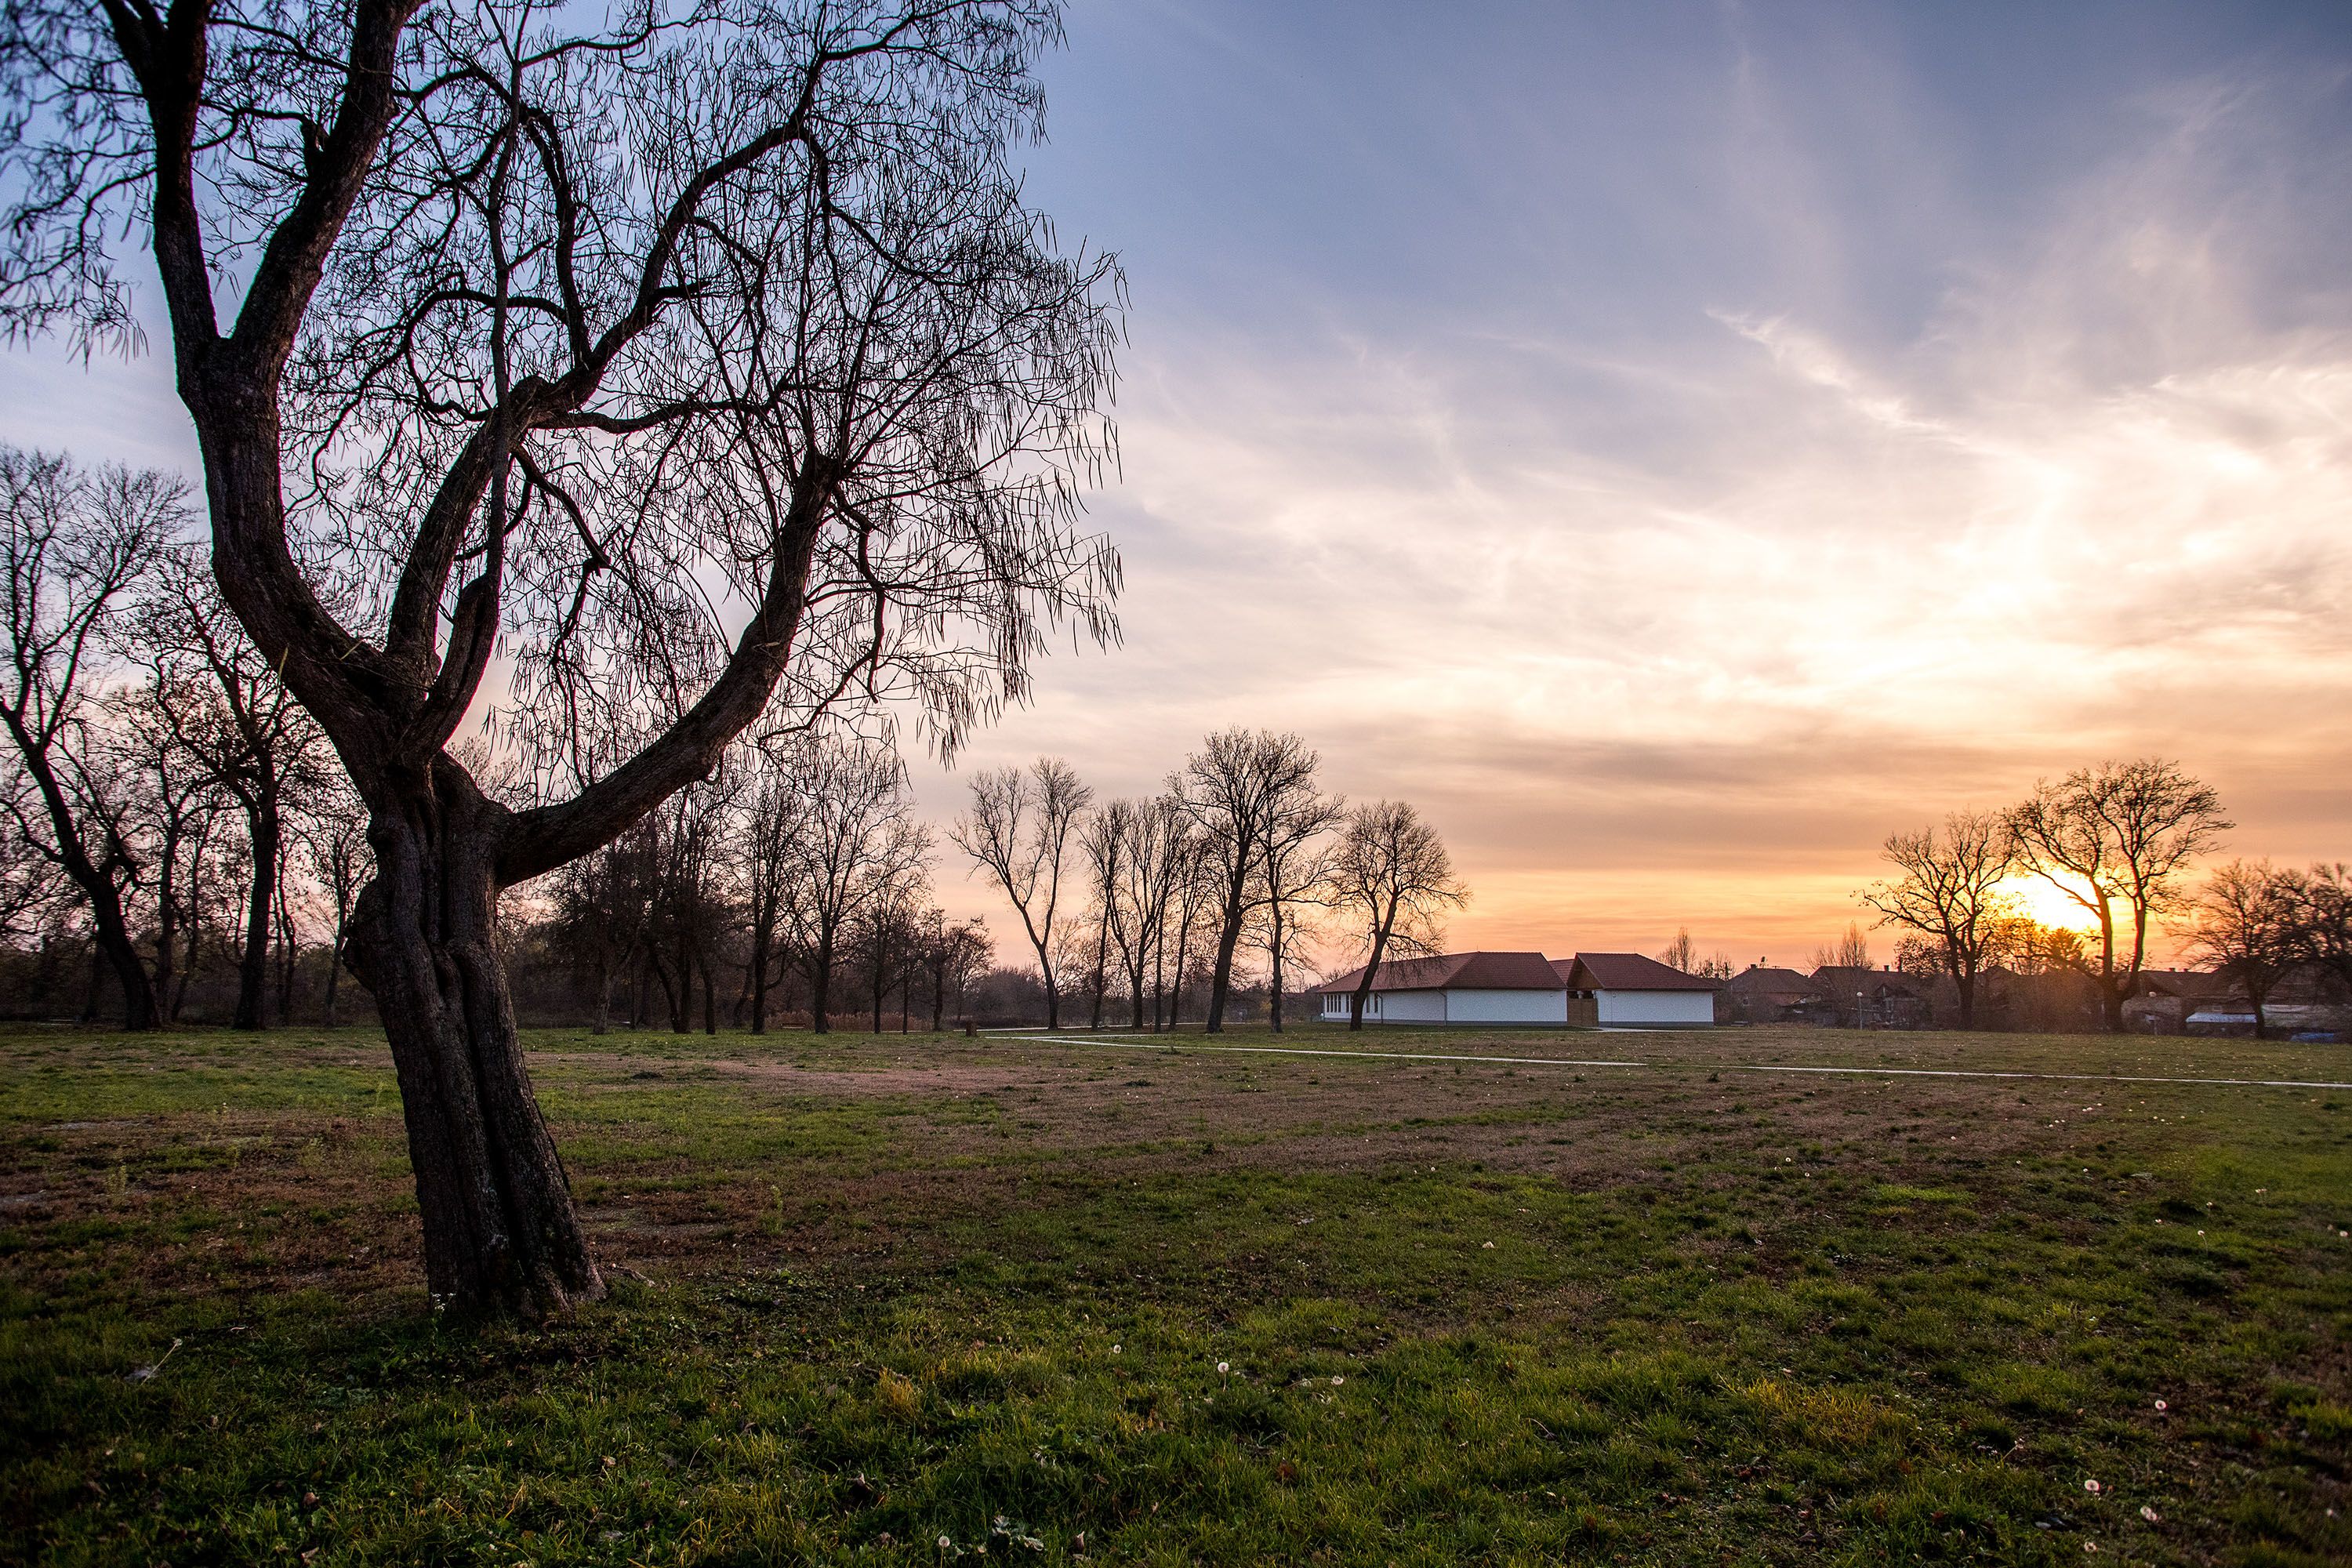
(1676, 445)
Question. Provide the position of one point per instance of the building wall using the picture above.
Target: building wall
(1413, 1006)
(1657, 1006)
(1506, 1007)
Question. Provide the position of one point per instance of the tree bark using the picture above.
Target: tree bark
(335, 958)
(1363, 992)
(289, 955)
(111, 929)
(1273, 967)
(1220, 979)
(264, 833)
(167, 928)
(759, 962)
(499, 1231)
(821, 989)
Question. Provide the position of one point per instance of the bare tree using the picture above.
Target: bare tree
(1102, 840)
(953, 956)
(1231, 789)
(74, 546)
(2322, 918)
(687, 906)
(2116, 838)
(1293, 858)
(1151, 862)
(1681, 953)
(887, 933)
(1950, 893)
(709, 355)
(856, 844)
(765, 837)
(603, 906)
(179, 796)
(333, 832)
(1019, 827)
(2026, 945)
(1851, 950)
(1197, 895)
(248, 735)
(1396, 881)
(2245, 926)
(31, 887)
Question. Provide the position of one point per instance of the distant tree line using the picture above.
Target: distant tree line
(792, 888)
(1138, 908)
(180, 848)
(177, 846)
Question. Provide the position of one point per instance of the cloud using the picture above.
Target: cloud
(1673, 632)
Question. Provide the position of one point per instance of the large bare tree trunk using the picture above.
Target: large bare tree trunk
(499, 1231)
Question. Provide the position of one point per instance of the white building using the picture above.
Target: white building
(1622, 990)
(1629, 991)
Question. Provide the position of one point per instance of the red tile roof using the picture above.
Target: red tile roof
(1624, 972)
(1456, 972)
(1522, 972)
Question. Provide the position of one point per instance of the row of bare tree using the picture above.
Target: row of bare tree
(168, 805)
(1240, 852)
(2118, 840)
(798, 871)
(170, 808)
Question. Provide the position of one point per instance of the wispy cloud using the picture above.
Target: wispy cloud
(1675, 636)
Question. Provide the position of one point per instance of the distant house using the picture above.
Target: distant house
(1611, 989)
(1863, 998)
(2163, 1000)
(1761, 994)
(1631, 991)
(2192, 1002)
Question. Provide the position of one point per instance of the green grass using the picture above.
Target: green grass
(1068, 1302)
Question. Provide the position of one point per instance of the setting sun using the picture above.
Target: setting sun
(2049, 905)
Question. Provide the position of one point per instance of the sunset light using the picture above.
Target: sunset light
(2049, 905)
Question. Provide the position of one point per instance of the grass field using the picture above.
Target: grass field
(933, 1300)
